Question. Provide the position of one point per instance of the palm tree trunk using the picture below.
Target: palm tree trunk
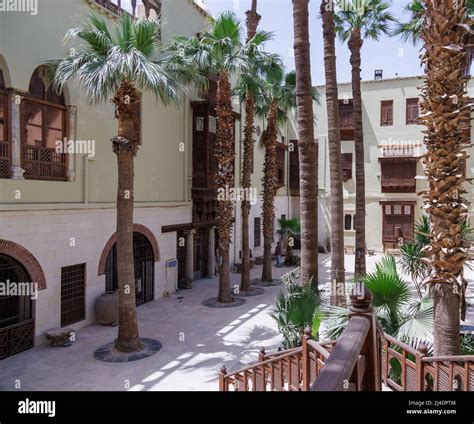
(224, 180)
(442, 112)
(253, 19)
(307, 146)
(355, 45)
(125, 147)
(269, 191)
(335, 161)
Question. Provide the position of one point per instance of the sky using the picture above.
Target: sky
(390, 54)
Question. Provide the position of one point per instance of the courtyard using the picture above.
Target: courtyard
(197, 342)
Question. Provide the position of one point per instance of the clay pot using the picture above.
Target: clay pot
(106, 308)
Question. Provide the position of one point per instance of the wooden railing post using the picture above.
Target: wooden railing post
(222, 374)
(306, 361)
(361, 299)
(419, 366)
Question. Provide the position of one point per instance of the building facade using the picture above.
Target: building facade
(393, 142)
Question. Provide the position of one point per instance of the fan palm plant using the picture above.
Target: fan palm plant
(354, 22)
(118, 65)
(220, 51)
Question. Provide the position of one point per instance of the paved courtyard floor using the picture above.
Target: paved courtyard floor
(196, 340)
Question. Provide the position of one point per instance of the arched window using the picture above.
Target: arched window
(5, 150)
(43, 124)
(144, 260)
(16, 311)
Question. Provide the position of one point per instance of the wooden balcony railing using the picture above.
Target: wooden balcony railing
(360, 360)
(423, 373)
(4, 159)
(44, 163)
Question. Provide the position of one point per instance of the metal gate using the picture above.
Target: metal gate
(144, 261)
(16, 312)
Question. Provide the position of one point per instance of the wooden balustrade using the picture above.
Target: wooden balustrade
(354, 364)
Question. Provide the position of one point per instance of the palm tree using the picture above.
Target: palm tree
(335, 161)
(356, 21)
(220, 51)
(444, 108)
(307, 146)
(119, 65)
(253, 19)
(411, 30)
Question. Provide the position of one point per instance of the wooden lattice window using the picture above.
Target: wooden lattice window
(43, 124)
(398, 176)
(73, 290)
(346, 118)
(412, 111)
(149, 9)
(257, 231)
(386, 113)
(5, 148)
(346, 159)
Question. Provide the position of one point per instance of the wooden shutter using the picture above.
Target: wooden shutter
(412, 111)
(386, 113)
(346, 159)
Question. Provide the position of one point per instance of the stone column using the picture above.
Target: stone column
(71, 136)
(16, 170)
(211, 261)
(189, 255)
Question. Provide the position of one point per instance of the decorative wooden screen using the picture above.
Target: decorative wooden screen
(346, 159)
(398, 221)
(412, 111)
(346, 116)
(280, 163)
(150, 9)
(257, 231)
(294, 166)
(398, 175)
(73, 294)
(43, 123)
(386, 113)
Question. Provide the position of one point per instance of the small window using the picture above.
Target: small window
(347, 222)
(386, 118)
(280, 163)
(346, 159)
(413, 111)
(407, 209)
(257, 230)
(388, 209)
(73, 288)
(397, 209)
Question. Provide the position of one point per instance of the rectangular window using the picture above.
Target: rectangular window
(346, 159)
(347, 222)
(398, 175)
(412, 111)
(73, 288)
(294, 166)
(346, 117)
(42, 125)
(386, 113)
(257, 230)
(150, 9)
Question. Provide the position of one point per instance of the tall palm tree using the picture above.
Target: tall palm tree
(220, 51)
(411, 30)
(335, 161)
(356, 21)
(444, 108)
(253, 19)
(119, 65)
(307, 145)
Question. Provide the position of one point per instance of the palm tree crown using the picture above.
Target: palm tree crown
(371, 18)
(105, 59)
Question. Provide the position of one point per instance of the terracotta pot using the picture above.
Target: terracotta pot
(106, 308)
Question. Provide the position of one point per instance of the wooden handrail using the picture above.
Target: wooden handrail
(340, 366)
(400, 344)
(458, 358)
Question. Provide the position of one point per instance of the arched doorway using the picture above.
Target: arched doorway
(144, 269)
(16, 311)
